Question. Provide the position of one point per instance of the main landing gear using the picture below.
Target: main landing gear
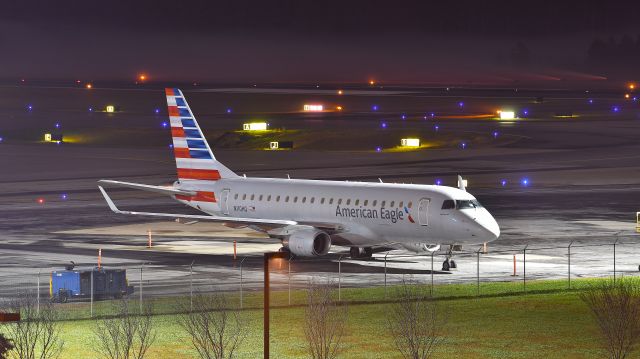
(359, 253)
(449, 263)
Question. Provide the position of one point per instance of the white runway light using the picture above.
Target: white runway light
(507, 115)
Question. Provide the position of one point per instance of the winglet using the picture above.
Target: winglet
(461, 184)
(112, 205)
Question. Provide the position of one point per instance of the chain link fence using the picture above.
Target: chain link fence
(478, 273)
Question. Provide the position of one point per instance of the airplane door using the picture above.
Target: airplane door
(224, 201)
(423, 212)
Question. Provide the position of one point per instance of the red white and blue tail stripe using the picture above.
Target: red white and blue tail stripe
(194, 160)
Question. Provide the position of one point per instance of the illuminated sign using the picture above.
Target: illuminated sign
(255, 126)
(410, 142)
(110, 108)
(47, 137)
(313, 108)
(273, 145)
(507, 115)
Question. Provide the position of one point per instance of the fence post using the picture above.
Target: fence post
(478, 269)
(92, 272)
(614, 257)
(289, 277)
(524, 267)
(141, 266)
(569, 263)
(191, 285)
(431, 289)
(241, 283)
(339, 277)
(385, 275)
(38, 293)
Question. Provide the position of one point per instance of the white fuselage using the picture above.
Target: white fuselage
(372, 214)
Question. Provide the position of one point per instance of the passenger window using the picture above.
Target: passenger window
(286, 199)
(374, 203)
(357, 201)
(295, 199)
(383, 203)
(277, 198)
(340, 201)
(348, 201)
(253, 196)
(401, 204)
(322, 200)
(410, 204)
(236, 196)
(312, 199)
(448, 204)
(244, 196)
(269, 198)
(392, 203)
(365, 202)
(330, 200)
(304, 199)
(260, 198)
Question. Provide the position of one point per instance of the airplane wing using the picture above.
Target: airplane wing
(248, 221)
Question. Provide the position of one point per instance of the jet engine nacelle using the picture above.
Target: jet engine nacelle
(308, 242)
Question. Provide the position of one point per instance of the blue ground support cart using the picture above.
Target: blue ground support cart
(72, 284)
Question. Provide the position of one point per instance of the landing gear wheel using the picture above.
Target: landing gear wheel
(445, 265)
(368, 252)
(354, 252)
(452, 264)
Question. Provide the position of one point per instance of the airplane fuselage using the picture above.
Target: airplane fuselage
(370, 213)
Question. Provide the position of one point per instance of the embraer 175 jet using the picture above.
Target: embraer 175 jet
(309, 216)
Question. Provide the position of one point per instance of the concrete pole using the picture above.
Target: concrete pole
(141, 265)
(92, 272)
(289, 277)
(614, 257)
(339, 278)
(38, 293)
(478, 268)
(431, 289)
(524, 267)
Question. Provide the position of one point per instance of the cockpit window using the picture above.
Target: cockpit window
(464, 204)
(448, 204)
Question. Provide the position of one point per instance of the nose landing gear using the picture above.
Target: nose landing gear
(449, 263)
(359, 252)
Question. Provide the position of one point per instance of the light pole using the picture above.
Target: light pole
(267, 257)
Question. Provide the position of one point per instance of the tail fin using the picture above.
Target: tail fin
(194, 159)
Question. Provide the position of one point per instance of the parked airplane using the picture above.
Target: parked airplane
(309, 216)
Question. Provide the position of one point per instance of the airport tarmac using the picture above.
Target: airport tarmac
(583, 182)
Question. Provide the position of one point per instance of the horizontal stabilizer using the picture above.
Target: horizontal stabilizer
(149, 188)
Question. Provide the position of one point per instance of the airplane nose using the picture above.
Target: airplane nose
(489, 226)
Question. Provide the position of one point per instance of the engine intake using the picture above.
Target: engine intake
(308, 242)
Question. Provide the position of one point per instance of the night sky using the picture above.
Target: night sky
(316, 41)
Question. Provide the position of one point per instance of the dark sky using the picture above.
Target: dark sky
(302, 40)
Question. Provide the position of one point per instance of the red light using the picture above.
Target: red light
(89, 86)
(41, 200)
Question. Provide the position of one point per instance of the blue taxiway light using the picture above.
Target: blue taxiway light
(29, 107)
(503, 182)
(436, 127)
(525, 112)
(171, 145)
(157, 111)
(374, 107)
(615, 109)
(433, 114)
(228, 110)
(1, 139)
(90, 109)
(590, 101)
(438, 182)
(524, 182)
(495, 134)
(165, 124)
(461, 104)
(463, 145)
(383, 125)
(57, 125)
(403, 116)
(378, 149)
(63, 196)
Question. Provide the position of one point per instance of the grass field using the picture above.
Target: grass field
(546, 323)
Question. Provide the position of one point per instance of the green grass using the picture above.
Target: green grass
(548, 322)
